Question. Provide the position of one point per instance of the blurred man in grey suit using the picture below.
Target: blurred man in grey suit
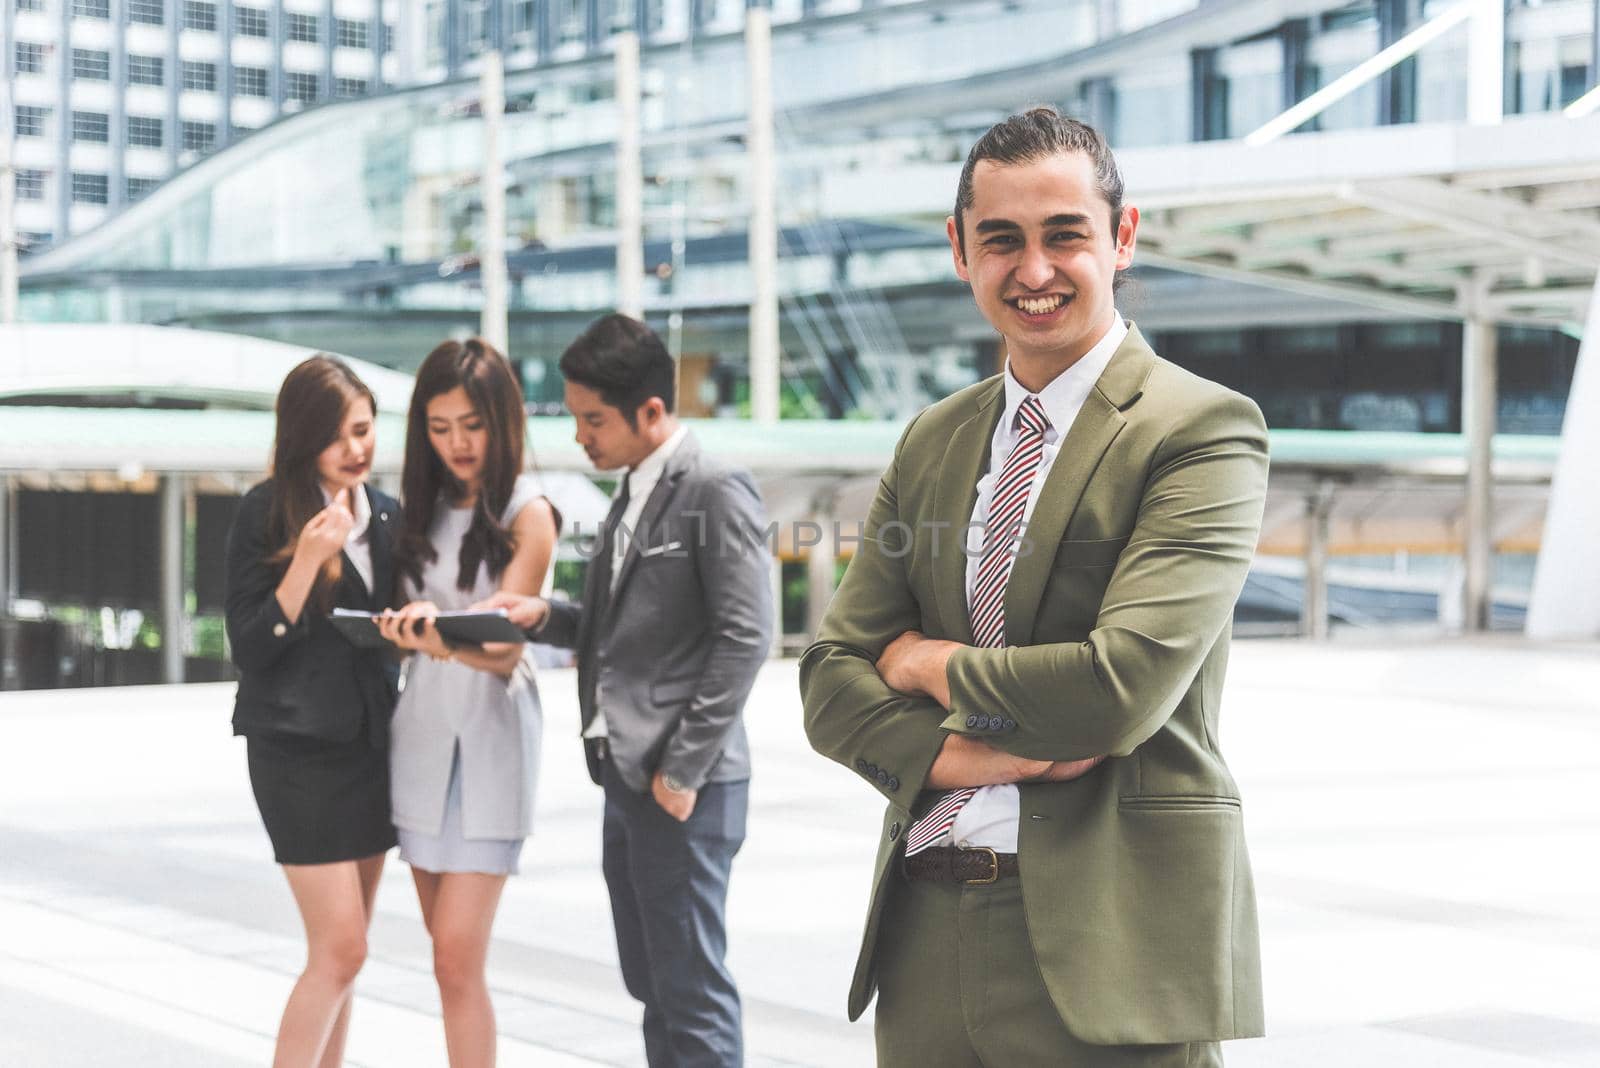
(675, 621)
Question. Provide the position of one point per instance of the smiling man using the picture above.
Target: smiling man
(1061, 874)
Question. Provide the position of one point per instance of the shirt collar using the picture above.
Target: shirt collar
(362, 510)
(1066, 392)
(648, 471)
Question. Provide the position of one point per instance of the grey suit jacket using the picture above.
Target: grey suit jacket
(671, 653)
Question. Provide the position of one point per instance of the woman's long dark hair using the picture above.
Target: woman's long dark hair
(312, 404)
(492, 387)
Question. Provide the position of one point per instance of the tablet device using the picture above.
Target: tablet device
(360, 628)
(475, 628)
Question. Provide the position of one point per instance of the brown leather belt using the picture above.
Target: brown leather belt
(974, 867)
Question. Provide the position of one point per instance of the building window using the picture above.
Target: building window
(89, 188)
(91, 65)
(303, 28)
(32, 240)
(31, 119)
(201, 76)
(199, 136)
(91, 126)
(138, 187)
(350, 33)
(522, 20)
(30, 5)
(388, 38)
(250, 22)
(349, 87)
(200, 15)
(250, 81)
(148, 12)
(147, 70)
(91, 9)
(30, 184)
(30, 58)
(300, 86)
(144, 132)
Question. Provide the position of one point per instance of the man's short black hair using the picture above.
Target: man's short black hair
(1033, 135)
(624, 361)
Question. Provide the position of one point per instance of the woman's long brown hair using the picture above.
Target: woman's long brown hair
(312, 404)
(492, 387)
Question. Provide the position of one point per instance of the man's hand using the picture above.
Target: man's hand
(964, 761)
(526, 612)
(679, 804)
(1065, 770)
(915, 665)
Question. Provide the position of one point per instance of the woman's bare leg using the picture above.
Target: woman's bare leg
(460, 917)
(370, 869)
(331, 907)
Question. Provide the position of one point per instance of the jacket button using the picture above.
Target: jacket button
(894, 784)
(972, 720)
(883, 777)
(996, 723)
(861, 765)
(279, 630)
(1011, 724)
(383, 515)
(894, 831)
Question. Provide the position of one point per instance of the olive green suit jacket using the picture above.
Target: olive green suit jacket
(1136, 884)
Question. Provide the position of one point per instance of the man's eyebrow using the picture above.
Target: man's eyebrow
(1067, 220)
(986, 226)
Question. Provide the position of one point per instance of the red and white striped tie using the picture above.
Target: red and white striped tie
(989, 591)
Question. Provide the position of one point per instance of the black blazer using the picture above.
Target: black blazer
(305, 678)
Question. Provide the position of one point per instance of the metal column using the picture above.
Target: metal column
(1486, 63)
(8, 218)
(492, 186)
(763, 220)
(1479, 399)
(821, 562)
(630, 180)
(10, 670)
(173, 512)
(1314, 604)
(1566, 582)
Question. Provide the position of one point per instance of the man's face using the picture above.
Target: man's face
(1041, 255)
(602, 431)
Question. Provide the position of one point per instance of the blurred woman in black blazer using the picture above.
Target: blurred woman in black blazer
(313, 708)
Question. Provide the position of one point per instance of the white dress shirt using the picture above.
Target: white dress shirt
(641, 480)
(990, 817)
(356, 545)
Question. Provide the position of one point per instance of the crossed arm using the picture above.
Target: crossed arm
(877, 691)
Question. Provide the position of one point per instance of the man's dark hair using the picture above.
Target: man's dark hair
(1037, 134)
(622, 360)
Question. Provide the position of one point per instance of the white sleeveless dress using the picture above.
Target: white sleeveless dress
(464, 753)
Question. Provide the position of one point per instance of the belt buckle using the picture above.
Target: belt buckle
(994, 867)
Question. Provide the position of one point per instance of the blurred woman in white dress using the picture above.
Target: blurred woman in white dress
(464, 753)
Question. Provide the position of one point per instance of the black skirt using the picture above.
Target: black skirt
(321, 801)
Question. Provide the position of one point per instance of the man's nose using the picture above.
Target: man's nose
(1034, 270)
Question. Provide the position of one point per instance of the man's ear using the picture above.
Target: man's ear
(956, 254)
(1127, 236)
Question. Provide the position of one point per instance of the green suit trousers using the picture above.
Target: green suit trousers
(958, 988)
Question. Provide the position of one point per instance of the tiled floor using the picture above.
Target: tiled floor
(1423, 819)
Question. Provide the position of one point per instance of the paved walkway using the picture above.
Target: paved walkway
(1423, 818)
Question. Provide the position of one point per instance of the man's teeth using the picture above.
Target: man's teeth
(1040, 306)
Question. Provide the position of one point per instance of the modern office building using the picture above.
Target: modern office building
(111, 97)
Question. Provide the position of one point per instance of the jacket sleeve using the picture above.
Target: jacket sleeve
(734, 569)
(258, 631)
(851, 715)
(560, 626)
(1171, 595)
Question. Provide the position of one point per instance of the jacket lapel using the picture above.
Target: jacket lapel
(1099, 422)
(380, 542)
(965, 456)
(654, 508)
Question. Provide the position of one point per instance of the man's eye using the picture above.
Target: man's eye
(1069, 235)
(1001, 240)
